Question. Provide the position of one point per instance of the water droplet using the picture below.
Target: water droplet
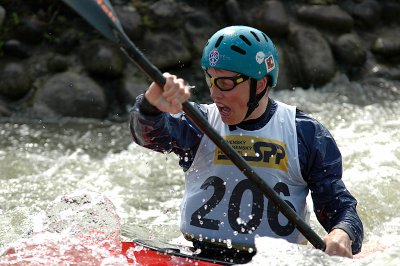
(229, 243)
(138, 248)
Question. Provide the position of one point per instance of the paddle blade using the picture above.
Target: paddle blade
(100, 14)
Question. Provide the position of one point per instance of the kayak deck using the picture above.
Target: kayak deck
(139, 253)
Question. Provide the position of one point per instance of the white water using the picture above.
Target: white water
(39, 162)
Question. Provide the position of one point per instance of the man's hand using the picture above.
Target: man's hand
(170, 98)
(338, 243)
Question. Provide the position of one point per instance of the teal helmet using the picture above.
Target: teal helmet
(244, 50)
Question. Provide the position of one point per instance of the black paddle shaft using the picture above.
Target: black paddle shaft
(100, 14)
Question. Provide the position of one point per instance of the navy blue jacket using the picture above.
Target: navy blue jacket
(319, 156)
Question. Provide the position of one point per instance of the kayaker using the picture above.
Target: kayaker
(222, 211)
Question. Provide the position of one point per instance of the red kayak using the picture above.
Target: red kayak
(55, 250)
(139, 253)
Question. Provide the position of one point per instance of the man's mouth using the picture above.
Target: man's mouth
(223, 109)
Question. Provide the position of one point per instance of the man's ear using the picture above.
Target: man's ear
(262, 84)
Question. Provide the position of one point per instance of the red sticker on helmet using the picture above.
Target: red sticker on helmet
(213, 57)
(270, 62)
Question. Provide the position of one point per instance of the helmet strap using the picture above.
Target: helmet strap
(254, 98)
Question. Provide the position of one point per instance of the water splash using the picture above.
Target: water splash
(80, 228)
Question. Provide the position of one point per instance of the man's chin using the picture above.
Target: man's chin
(229, 119)
(229, 122)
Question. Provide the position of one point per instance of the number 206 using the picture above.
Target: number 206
(199, 219)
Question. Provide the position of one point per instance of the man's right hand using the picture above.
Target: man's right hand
(170, 98)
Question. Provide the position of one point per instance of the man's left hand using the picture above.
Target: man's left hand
(338, 243)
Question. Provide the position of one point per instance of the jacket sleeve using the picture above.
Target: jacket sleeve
(321, 166)
(163, 132)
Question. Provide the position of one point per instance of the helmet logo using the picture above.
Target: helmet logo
(260, 57)
(213, 57)
(270, 62)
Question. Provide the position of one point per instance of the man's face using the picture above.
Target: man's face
(232, 104)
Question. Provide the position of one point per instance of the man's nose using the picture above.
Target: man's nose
(215, 92)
